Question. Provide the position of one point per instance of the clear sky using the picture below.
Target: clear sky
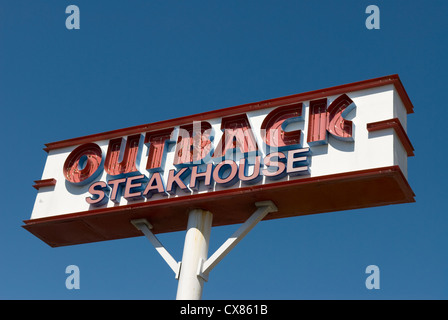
(136, 62)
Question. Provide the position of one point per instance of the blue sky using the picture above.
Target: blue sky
(136, 62)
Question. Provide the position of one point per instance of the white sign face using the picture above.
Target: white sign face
(356, 130)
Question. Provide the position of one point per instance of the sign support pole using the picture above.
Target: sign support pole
(195, 251)
(195, 267)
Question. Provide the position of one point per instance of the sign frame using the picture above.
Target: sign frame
(343, 191)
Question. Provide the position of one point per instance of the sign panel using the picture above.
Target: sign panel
(338, 148)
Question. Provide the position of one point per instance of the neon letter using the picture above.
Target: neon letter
(130, 155)
(177, 179)
(232, 177)
(83, 164)
(116, 191)
(237, 135)
(100, 192)
(193, 143)
(137, 194)
(331, 120)
(244, 170)
(297, 165)
(279, 163)
(155, 185)
(206, 176)
(157, 151)
(275, 123)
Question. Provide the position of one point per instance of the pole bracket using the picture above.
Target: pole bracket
(263, 208)
(199, 273)
(144, 226)
(205, 266)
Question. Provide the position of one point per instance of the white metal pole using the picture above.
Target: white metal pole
(195, 251)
